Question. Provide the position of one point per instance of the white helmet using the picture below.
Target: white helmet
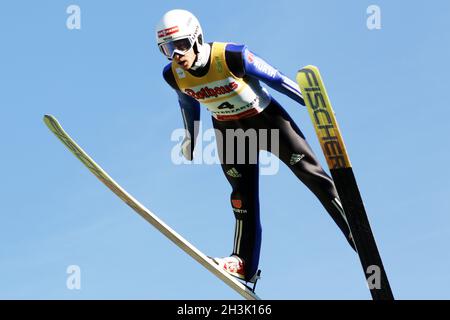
(177, 32)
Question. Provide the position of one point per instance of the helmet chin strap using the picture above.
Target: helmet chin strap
(203, 52)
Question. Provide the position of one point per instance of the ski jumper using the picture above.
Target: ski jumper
(229, 86)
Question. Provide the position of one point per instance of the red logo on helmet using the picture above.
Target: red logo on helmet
(237, 203)
(168, 32)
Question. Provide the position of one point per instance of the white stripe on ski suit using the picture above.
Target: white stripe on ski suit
(237, 237)
(338, 205)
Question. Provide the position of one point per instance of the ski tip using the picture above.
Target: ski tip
(48, 119)
(309, 67)
(51, 122)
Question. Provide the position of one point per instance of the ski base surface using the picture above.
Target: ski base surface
(53, 124)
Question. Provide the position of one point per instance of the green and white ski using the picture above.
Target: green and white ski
(330, 138)
(150, 217)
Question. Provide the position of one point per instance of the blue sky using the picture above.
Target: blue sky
(389, 89)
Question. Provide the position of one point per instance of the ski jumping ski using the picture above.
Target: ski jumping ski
(245, 291)
(332, 143)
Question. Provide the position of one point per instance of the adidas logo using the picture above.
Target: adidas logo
(296, 158)
(234, 173)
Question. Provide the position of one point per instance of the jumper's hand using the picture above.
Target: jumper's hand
(186, 149)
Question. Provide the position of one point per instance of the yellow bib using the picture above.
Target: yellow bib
(225, 95)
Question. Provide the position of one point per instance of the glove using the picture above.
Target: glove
(186, 148)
